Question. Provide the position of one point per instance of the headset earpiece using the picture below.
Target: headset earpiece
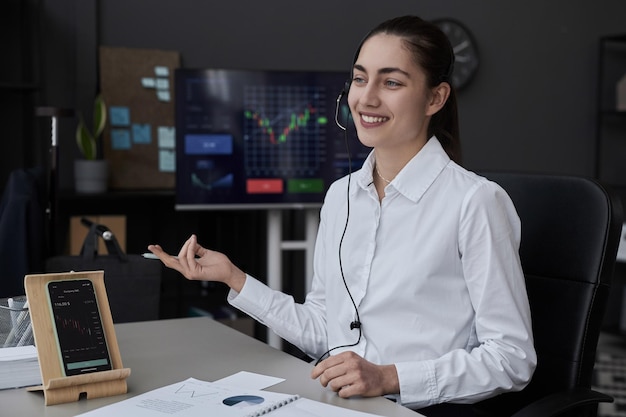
(346, 87)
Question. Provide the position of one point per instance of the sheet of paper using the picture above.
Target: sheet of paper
(250, 380)
(195, 398)
(18, 353)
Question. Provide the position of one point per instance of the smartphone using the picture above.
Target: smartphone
(78, 326)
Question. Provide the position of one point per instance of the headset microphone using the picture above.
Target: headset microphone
(344, 92)
(337, 110)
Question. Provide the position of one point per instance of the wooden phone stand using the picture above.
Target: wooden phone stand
(57, 387)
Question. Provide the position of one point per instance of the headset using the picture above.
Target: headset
(344, 92)
(356, 323)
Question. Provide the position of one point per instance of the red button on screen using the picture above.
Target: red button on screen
(264, 186)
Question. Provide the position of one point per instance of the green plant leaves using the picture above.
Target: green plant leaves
(99, 116)
(85, 141)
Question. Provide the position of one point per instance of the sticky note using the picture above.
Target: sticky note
(166, 137)
(167, 160)
(120, 139)
(163, 83)
(119, 115)
(163, 95)
(161, 71)
(148, 82)
(141, 133)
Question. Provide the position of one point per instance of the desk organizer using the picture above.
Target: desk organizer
(15, 328)
(57, 387)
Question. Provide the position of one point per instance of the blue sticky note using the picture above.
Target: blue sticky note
(120, 139)
(161, 71)
(119, 115)
(148, 82)
(141, 133)
(167, 160)
(166, 137)
(162, 83)
(163, 95)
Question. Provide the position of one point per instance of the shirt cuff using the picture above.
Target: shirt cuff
(253, 299)
(418, 383)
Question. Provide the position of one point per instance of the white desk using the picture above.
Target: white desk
(163, 352)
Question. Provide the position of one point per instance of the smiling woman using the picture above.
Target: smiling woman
(408, 236)
(392, 103)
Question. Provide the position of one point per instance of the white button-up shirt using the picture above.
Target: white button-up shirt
(435, 273)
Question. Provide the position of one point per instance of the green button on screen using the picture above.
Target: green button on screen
(308, 185)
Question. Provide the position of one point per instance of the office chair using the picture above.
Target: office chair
(571, 228)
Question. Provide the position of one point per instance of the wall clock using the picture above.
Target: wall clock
(465, 51)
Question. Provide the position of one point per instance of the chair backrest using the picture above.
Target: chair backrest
(570, 234)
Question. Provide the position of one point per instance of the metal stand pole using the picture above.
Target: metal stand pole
(53, 182)
(275, 247)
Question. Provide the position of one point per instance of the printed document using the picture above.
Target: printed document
(196, 398)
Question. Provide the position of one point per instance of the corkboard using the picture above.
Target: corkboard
(138, 141)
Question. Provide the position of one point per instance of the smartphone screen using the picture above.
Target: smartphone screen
(76, 316)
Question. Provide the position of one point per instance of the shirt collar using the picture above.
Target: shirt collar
(416, 176)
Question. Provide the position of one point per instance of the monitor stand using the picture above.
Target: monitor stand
(275, 247)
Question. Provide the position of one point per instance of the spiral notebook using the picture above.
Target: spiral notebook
(195, 398)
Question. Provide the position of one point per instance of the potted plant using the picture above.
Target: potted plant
(91, 173)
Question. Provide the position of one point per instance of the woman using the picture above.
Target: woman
(418, 292)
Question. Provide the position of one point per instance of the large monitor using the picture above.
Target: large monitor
(252, 139)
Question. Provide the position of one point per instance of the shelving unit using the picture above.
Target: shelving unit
(611, 121)
(610, 166)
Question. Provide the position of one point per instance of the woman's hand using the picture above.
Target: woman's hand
(348, 374)
(195, 262)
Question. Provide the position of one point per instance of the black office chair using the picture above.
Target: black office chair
(570, 233)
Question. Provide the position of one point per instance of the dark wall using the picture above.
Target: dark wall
(19, 85)
(530, 107)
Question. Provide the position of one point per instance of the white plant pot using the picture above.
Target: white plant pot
(91, 176)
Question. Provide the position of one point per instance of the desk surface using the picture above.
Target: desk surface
(163, 352)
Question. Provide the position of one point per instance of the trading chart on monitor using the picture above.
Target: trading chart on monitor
(284, 129)
(260, 138)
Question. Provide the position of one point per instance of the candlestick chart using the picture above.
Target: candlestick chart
(284, 130)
